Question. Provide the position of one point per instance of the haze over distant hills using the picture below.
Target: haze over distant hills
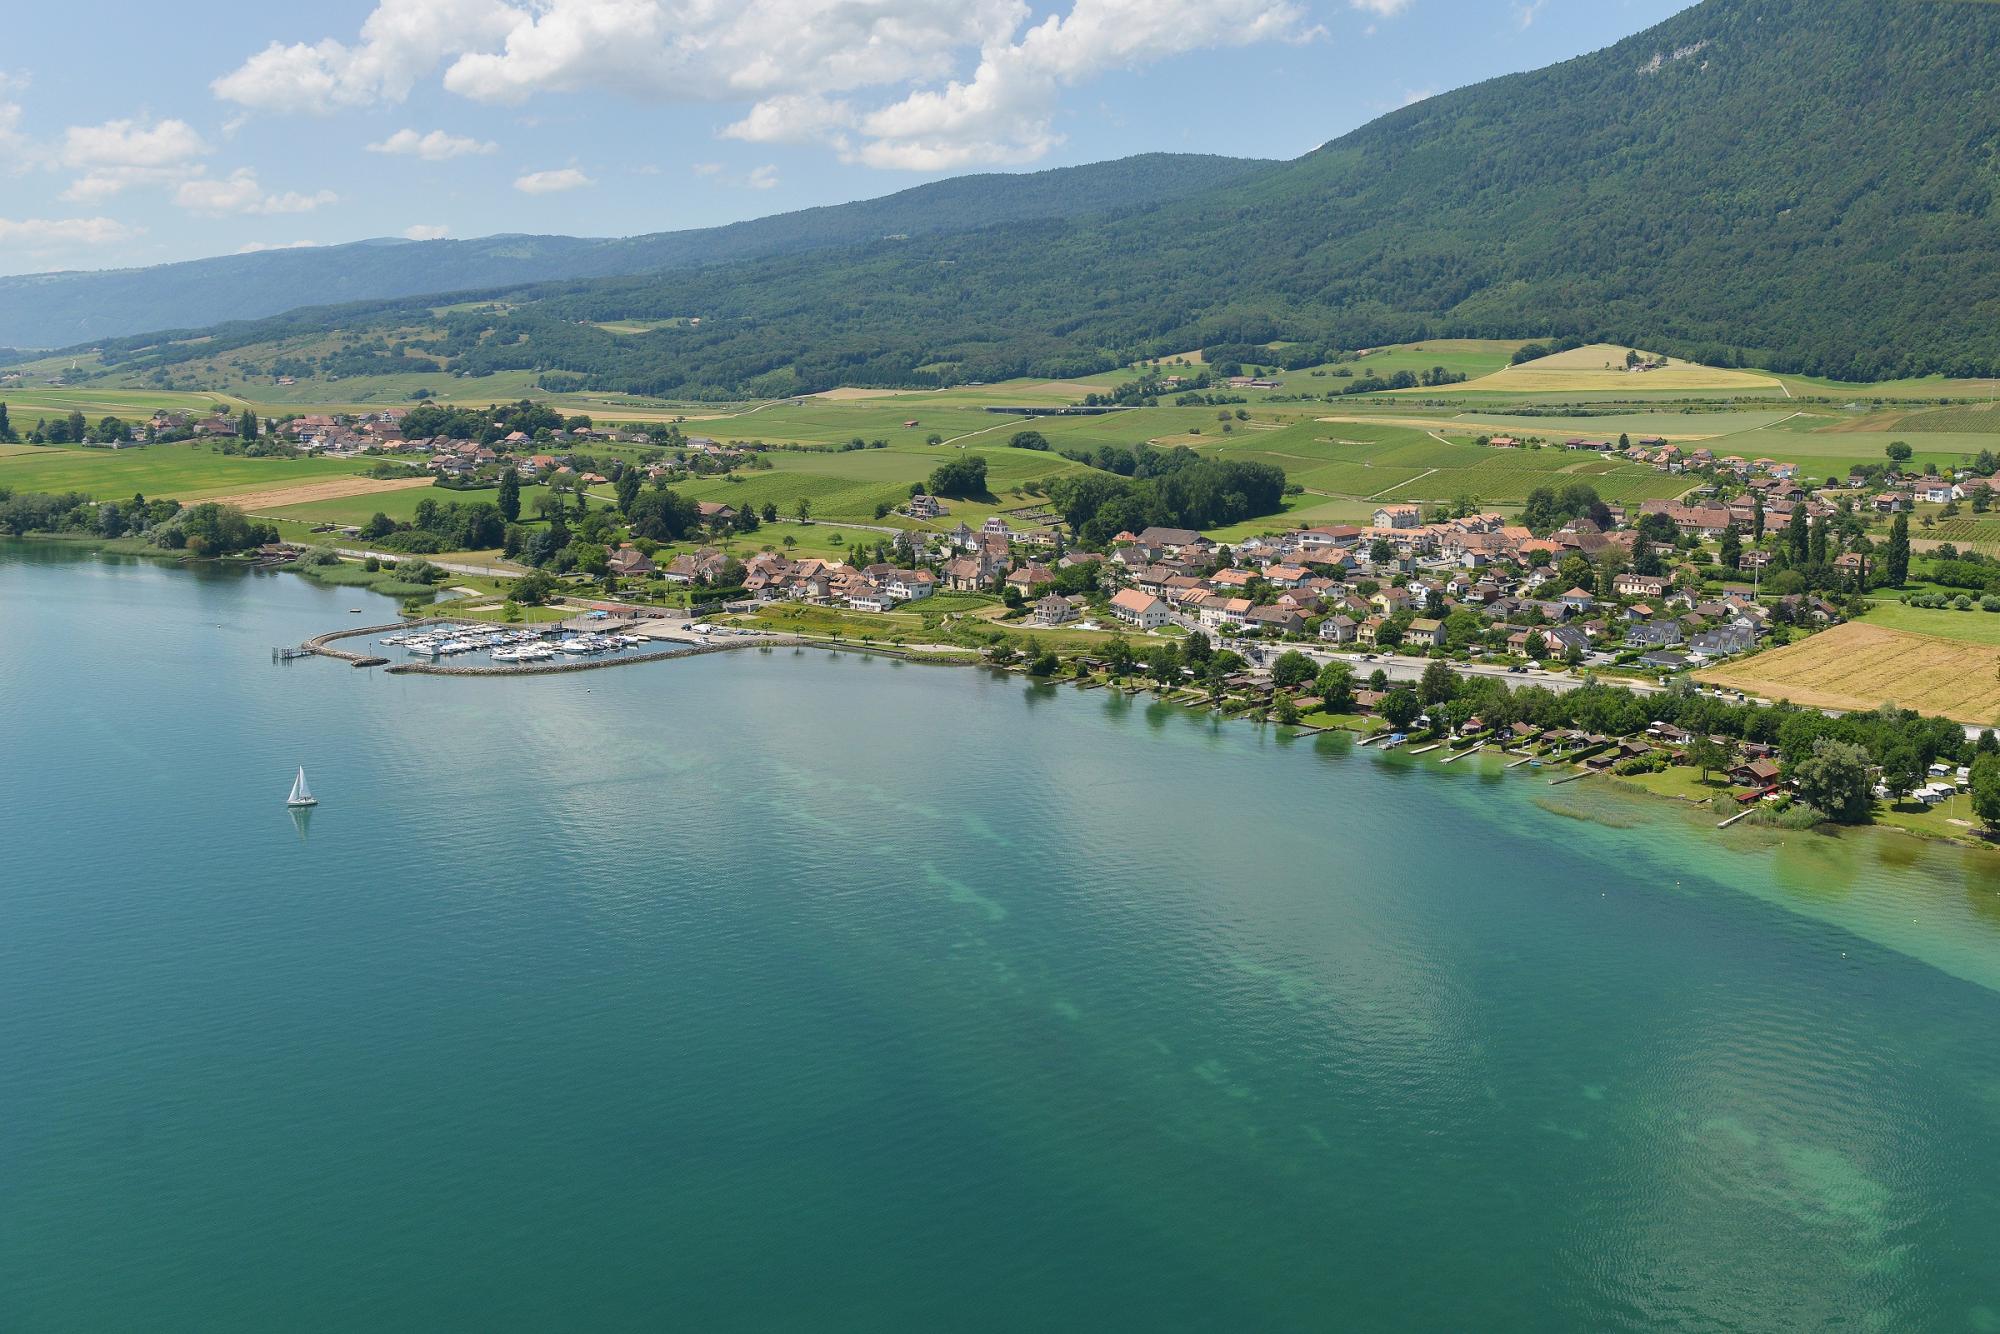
(61, 309)
(1806, 185)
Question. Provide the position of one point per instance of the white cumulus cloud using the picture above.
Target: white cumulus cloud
(121, 154)
(551, 182)
(400, 42)
(242, 192)
(1385, 8)
(437, 146)
(1005, 112)
(426, 231)
(259, 247)
(881, 81)
(45, 234)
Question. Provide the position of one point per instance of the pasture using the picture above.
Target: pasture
(1862, 665)
(849, 485)
(184, 471)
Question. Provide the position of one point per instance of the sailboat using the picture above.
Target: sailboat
(301, 794)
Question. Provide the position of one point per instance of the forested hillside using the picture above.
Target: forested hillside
(1804, 185)
(59, 309)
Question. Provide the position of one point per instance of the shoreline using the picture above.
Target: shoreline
(320, 645)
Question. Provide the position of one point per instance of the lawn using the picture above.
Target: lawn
(1863, 665)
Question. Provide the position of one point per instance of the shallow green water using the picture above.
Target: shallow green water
(782, 990)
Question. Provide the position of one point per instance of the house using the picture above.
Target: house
(909, 585)
(1735, 637)
(1219, 612)
(629, 561)
(1577, 600)
(714, 512)
(1141, 609)
(1030, 577)
(1654, 635)
(1755, 773)
(1277, 620)
(1934, 492)
(1398, 516)
(1174, 541)
(926, 507)
(1629, 585)
(1338, 629)
(1425, 633)
(1055, 609)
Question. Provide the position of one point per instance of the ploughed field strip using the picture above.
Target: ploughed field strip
(305, 493)
(1860, 666)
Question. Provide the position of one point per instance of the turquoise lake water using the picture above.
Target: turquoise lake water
(781, 990)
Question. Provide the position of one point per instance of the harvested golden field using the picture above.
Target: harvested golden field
(1602, 366)
(330, 488)
(1861, 666)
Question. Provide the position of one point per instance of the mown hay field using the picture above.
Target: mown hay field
(1602, 366)
(1862, 666)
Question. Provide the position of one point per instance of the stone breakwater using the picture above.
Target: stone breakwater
(323, 644)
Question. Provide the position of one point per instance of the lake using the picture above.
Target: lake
(787, 990)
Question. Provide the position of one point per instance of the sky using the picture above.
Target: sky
(140, 134)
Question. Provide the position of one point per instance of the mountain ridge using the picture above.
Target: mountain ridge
(1797, 185)
(66, 308)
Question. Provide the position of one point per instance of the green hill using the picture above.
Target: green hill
(1803, 185)
(59, 309)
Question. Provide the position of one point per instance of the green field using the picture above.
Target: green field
(158, 470)
(849, 485)
(1968, 627)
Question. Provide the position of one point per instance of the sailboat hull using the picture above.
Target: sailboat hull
(309, 801)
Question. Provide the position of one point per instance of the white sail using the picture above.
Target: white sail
(301, 794)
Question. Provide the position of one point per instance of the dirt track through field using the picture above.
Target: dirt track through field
(329, 488)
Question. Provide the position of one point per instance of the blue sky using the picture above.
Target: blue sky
(140, 134)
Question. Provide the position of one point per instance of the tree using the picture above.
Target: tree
(246, 425)
(1029, 440)
(1335, 687)
(379, 526)
(1732, 548)
(1986, 787)
(1286, 711)
(962, 478)
(510, 496)
(1439, 684)
(1044, 663)
(1899, 450)
(1896, 564)
(1798, 537)
(1293, 669)
(1833, 779)
(1904, 766)
(1757, 517)
(6, 425)
(1711, 755)
(1197, 650)
(77, 427)
(628, 490)
(1118, 655)
(1400, 707)
(804, 509)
